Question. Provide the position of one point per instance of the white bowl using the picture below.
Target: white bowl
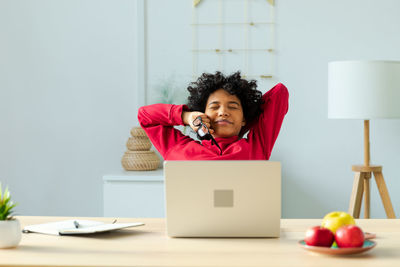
(10, 233)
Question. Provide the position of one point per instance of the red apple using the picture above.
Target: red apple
(319, 236)
(349, 236)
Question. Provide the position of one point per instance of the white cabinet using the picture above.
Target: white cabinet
(135, 194)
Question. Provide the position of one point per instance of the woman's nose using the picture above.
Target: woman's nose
(223, 112)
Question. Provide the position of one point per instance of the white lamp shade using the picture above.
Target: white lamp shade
(364, 89)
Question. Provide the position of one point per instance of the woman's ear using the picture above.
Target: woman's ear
(243, 122)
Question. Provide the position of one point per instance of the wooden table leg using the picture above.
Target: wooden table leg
(356, 195)
(383, 191)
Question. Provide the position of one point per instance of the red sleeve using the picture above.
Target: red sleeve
(264, 131)
(158, 120)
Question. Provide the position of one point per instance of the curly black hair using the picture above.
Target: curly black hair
(207, 83)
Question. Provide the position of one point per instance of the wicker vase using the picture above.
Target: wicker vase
(140, 161)
(138, 132)
(141, 143)
(138, 157)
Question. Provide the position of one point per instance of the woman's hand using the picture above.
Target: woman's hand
(188, 118)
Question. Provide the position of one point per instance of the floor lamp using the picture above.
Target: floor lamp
(365, 90)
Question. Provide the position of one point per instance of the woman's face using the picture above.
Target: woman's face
(226, 113)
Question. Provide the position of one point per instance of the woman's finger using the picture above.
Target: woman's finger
(205, 119)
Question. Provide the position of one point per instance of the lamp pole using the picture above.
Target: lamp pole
(366, 142)
(367, 175)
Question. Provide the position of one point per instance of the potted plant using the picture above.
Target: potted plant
(10, 229)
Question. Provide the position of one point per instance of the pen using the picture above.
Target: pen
(76, 224)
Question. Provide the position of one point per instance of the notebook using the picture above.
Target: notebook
(76, 227)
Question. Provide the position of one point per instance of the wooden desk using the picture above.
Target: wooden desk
(149, 246)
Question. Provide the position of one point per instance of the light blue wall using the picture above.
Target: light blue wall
(317, 152)
(67, 100)
(68, 96)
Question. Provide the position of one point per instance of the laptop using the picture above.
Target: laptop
(223, 198)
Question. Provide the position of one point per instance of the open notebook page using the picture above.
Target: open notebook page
(68, 227)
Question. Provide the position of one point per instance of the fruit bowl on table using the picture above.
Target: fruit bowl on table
(369, 235)
(368, 244)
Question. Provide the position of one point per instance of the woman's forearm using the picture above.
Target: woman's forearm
(161, 114)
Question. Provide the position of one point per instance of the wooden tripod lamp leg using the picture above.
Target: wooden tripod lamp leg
(383, 191)
(356, 195)
(361, 183)
(366, 196)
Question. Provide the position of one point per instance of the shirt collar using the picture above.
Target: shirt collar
(223, 142)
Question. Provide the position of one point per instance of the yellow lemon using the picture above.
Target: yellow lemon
(337, 219)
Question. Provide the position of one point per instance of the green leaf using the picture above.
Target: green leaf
(6, 205)
(6, 193)
(2, 208)
(9, 209)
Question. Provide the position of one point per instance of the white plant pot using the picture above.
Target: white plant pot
(10, 233)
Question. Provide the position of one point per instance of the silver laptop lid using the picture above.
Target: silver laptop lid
(223, 198)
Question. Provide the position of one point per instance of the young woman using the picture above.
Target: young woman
(226, 107)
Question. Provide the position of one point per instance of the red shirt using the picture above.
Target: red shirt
(158, 120)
